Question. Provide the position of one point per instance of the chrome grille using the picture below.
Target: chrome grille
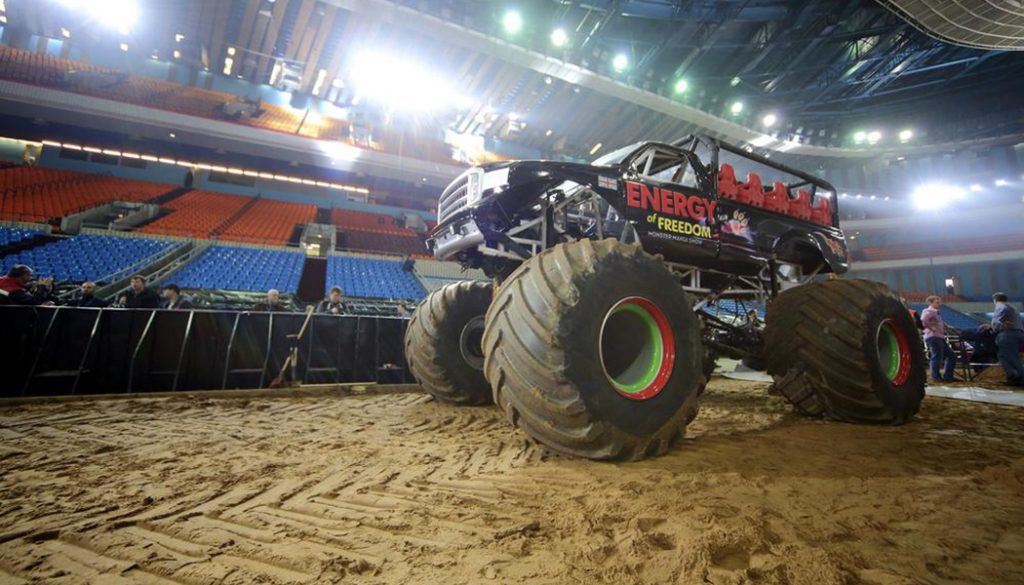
(458, 194)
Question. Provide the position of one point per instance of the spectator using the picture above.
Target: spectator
(14, 289)
(173, 301)
(1009, 338)
(138, 296)
(752, 321)
(403, 310)
(935, 339)
(332, 304)
(87, 297)
(273, 303)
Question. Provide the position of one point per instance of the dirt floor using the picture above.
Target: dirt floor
(400, 489)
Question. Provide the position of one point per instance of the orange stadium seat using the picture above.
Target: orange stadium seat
(268, 221)
(197, 214)
(38, 195)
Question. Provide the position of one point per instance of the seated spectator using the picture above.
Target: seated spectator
(1006, 325)
(273, 303)
(139, 296)
(87, 297)
(332, 304)
(14, 288)
(403, 310)
(983, 346)
(935, 339)
(173, 301)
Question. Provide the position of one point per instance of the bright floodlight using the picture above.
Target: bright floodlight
(874, 136)
(769, 120)
(736, 107)
(975, 188)
(906, 135)
(558, 37)
(681, 86)
(1002, 182)
(119, 15)
(400, 83)
(936, 195)
(734, 81)
(512, 21)
(860, 136)
(620, 62)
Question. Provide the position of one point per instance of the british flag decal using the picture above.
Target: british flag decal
(607, 183)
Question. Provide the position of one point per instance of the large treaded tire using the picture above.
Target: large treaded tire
(542, 352)
(435, 338)
(822, 349)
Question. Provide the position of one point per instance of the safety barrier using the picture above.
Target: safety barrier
(64, 350)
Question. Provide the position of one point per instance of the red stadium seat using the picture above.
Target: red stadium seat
(801, 206)
(777, 199)
(752, 192)
(727, 186)
(822, 212)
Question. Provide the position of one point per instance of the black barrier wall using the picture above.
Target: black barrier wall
(64, 350)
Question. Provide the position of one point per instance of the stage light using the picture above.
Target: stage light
(734, 81)
(231, 51)
(65, 33)
(736, 107)
(1002, 182)
(120, 14)
(548, 133)
(681, 86)
(595, 148)
(178, 37)
(400, 83)
(975, 188)
(769, 120)
(124, 46)
(874, 136)
(620, 62)
(860, 136)
(906, 135)
(177, 54)
(559, 38)
(512, 21)
(513, 116)
(936, 195)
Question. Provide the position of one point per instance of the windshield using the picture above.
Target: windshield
(615, 157)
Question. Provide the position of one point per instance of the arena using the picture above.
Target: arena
(447, 291)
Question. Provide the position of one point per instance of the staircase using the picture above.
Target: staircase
(235, 217)
(323, 216)
(313, 280)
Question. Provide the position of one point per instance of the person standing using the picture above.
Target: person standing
(87, 297)
(14, 287)
(273, 303)
(138, 296)
(333, 304)
(1009, 338)
(935, 339)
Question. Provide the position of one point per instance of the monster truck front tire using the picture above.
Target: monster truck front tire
(846, 350)
(442, 343)
(593, 349)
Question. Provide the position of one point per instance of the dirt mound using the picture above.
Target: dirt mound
(400, 489)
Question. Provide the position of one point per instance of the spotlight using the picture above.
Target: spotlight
(736, 107)
(595, 148)
(512, 21)
(975, 188)
(620, 62)
(844, 195)
(906, 135)
(935, 195)
(860, 136)
(734, 81)
(874, 136)
(548, 133)
(124, 46)
(559, 37)
(401, 83)
(1002, 182)
(547, 80)
(65, 33)
(769, 120)
(681, 86)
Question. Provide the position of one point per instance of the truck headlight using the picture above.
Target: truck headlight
(481, 181)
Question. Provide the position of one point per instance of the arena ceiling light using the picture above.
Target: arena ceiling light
(620, 62)
(874, 136)
(512, 21)
(975, 188)
(1002, 182)
(681, 86)
(860, 136)
(559, 37)
(935, 196)
(736, 107)
(906, 135)
(400, 83)
(119, 15)
(769, 120)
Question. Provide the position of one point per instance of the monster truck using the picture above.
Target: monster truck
(599, 331)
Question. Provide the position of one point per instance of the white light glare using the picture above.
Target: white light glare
(975, 188)
(769, 120)
(400, 83)
(936, 195)
(620, 62)
(736, 107)
(512, 21)
(119, 15)
(1002, 182)
(906, 135)
(559, 38)
(874, 136)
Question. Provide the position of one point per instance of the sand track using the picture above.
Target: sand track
(400, 489)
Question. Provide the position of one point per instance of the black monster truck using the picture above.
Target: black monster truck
(597, 338)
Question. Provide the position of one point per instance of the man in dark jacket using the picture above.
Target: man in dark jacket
(140, 297)
(14, 287)
(273, 303)
(88, 298)
(332, 304)
(173, 301)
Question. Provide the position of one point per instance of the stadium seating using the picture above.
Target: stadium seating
(951, 317)
(197, 214)
(409, 244)
(86, 256)
(942, 248)
(735, 308)
(433, 274)
(238, 268)
(370, 277)
(11, 235)
(362, 220)
(39, 195)
(268, 221)
(776, 199)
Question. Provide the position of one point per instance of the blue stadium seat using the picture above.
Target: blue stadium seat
(369, 277)
(735, 308)
(9, 235)
(249, 269)
(85, 257)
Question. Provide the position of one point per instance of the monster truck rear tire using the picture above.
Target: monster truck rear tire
(593, 349)
(846, 350)
(442, 343)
